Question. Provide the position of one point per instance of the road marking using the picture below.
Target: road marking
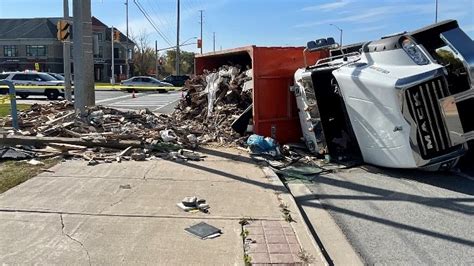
(116, 98)
(165, 105)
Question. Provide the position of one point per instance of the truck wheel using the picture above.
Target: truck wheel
(51, 94)
(22, 95)
(3, 91)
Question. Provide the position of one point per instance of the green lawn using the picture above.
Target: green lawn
(13, 173)
(5, 108)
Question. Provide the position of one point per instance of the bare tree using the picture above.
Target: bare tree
(144, 57)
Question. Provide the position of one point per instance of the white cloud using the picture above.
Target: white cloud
(327, 6)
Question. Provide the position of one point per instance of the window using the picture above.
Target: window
(10, 51)
(146, 80)
(22, 77)
(101, 51)
(3, 76)
(36, 50)
(100, 36)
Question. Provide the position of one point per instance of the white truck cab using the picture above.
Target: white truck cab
(394, 102)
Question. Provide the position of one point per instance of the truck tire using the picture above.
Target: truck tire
(51, 94)
(23, 95)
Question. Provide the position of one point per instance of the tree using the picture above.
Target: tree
(186, 65)
(144, 57)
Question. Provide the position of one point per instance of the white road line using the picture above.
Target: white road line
(165, 105)
(116, 98)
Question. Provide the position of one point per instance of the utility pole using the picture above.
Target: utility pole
(214, 41)
(113, 55)
(156, 59)
(201, 29)
(177, 37)
(436, 11)
(83, 60)
(127, 67)
(67, 57)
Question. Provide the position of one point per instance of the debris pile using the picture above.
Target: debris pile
(212, 106)
(213, 102)
(100, 134)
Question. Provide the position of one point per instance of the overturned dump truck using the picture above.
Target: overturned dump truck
(404, 101)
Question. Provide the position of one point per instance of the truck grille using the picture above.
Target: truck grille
(432, 135)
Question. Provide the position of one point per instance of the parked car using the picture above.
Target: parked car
(144, 81)
(177, 81)
(42, 84)
(59, 77)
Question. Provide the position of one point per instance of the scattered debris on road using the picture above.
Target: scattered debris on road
(190, 204)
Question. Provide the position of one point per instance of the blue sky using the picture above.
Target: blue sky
(262, 22)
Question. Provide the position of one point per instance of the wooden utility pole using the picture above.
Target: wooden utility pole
(177, 37)
(83, 59)
(67, 58)
(113, 55)
(127, 67)
(201, 29)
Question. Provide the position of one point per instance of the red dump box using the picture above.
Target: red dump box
(274, 106)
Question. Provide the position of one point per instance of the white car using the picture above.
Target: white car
(41, 84)
(144, 81)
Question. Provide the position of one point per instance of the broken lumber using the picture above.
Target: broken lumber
(32, 141)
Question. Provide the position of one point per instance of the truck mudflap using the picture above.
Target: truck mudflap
(457, 110)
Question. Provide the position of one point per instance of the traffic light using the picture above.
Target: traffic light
(199, 43)
(63, 30)
(116, 36)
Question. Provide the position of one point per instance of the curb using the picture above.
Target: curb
(331, 237)
(302, 231)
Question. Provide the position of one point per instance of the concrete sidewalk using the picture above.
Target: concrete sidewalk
(86, 214)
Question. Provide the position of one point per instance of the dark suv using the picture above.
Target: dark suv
(177, 81)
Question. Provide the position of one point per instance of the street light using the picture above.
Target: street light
(188, 40)
(340, 37)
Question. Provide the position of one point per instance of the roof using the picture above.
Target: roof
(13, 28)
(44, 28)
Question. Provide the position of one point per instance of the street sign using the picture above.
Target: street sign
(37, 66)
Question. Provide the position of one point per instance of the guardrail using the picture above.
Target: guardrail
(12, 96)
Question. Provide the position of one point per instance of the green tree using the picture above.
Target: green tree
(186, 62)
(448, 57)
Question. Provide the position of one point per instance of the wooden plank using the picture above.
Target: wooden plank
(26, 140)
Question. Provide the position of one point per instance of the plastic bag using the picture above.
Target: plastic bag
(259, 144)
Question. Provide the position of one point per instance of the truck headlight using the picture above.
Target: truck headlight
(414, 52)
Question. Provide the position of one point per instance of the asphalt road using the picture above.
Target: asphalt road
(398, 217)
(156, 102)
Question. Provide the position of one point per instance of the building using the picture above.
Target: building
(31, 44)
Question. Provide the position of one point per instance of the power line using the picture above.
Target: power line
(164, 25)
(151, 21)
(171, 26)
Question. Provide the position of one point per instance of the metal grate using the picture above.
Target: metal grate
(432, 135)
